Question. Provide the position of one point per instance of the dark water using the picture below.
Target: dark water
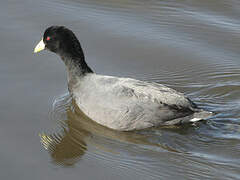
(189, 45)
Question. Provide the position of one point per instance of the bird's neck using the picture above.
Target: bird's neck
(77, 68)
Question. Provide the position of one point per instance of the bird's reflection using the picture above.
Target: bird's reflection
(67, 146)
(78, 131)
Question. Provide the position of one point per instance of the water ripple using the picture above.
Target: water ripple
(191, 46)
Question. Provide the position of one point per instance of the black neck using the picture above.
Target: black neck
(76, 68)
(72, 55)
(76, 65)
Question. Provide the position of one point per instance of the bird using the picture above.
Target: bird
(119, 103)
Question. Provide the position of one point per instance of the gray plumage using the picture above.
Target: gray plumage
(127, 104)
(122, 104)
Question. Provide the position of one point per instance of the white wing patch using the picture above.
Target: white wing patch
(195, 119)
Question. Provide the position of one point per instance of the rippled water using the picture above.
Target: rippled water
(190, 45)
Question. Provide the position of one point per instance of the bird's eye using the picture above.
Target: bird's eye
(48, 38)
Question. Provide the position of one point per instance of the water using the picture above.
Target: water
(191, 46)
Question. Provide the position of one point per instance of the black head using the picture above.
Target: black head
(62, 41)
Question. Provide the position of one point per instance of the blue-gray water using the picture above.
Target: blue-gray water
(191, 46)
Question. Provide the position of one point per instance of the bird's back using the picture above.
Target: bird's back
(128, 104)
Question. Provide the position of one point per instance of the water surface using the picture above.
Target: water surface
(191, 46)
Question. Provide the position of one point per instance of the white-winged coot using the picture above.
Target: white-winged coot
(122, 104)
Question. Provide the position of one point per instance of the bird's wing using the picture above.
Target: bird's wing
(126, 104)
(149, 92)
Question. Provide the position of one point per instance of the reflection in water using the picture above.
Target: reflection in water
(142, 152)
(69, 145)
(63, 150)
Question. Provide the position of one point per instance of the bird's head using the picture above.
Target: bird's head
(61, 41)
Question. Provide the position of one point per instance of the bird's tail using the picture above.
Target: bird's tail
(197, 116)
